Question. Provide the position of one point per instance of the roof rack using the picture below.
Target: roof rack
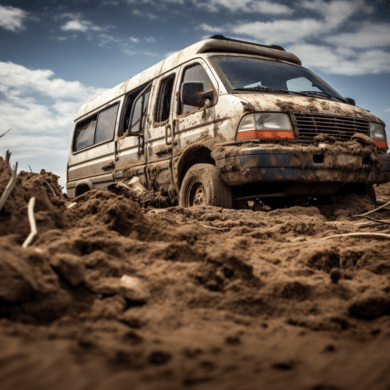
(223, 38)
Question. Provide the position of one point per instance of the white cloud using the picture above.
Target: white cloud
(336, 11)
(333, 15)
(161, 4)
(207, 27)
(40, 110)
(12, 18)
(281, 31)
(80, 25)
(339, 61)
(150, 39)
(105, 38)
(134, 40)
(130, 52)
(36, 102)
(152, 54)
(264, 7)
(268, 7)
(144, 14)
(367, 36)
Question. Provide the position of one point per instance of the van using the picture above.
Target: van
(223, 122)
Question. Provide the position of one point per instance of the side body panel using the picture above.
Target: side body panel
(94, 165)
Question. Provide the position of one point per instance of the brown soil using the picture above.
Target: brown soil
(110, 295)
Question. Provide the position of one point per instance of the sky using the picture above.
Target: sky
(55, 55)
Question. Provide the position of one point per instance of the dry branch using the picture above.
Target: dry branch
(372, 211)
(2, 135)
(10, 186)
(363, 235)
(33, 224)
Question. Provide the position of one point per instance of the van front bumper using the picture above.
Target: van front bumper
(240, 166)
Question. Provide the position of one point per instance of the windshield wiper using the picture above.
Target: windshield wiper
(269, 89)
(323, 94)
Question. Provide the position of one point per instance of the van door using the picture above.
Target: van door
(130, 151)
(195, 122)
(161, 136)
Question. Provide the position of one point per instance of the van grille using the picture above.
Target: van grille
(340, 127)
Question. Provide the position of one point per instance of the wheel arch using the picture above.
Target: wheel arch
(195, 154)
(82, 187)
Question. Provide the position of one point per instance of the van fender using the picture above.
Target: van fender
(197, 153)
(83, 186)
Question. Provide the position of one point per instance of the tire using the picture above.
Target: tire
(370, 192)
(359, 189)
(203, 186)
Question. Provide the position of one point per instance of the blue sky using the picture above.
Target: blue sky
(56, 55)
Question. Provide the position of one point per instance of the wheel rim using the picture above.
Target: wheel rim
(197, 194)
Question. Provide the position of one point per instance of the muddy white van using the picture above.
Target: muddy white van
(225, 121)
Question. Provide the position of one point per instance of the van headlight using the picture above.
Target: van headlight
(378, 133)
(265, 125)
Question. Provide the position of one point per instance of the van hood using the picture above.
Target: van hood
(303, 104)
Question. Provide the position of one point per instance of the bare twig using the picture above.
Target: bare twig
(372, 211)
(363, 235)
(2, 135)
(33, 224)
(378, 220)
(52, 190)
(369, 224)
(10, 186)
(7, 157)
(30, 169)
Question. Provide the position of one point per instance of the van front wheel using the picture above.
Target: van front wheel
(203, 186)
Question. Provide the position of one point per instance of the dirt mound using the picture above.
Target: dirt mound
(110, 294)
(49, 204)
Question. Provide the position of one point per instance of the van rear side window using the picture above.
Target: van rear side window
(164, 99)
(140, 112)
(106, 124)
(95, 130)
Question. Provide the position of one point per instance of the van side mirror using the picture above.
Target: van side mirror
(350, 101)
(192, 94)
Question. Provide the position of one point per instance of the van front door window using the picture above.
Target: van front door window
(195, 74)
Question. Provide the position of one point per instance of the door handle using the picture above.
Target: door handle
(140, 148)
(166, 134)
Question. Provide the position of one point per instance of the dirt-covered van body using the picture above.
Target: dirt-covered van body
(224, 121)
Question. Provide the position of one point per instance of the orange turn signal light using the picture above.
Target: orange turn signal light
(265, 134)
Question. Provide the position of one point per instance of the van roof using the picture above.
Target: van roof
(214, 44)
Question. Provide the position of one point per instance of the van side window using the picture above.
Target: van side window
(164, 99)
(85, 133)
(195, 73)
(139, 114)
(128, 105)
(96, 129)
(106, 124)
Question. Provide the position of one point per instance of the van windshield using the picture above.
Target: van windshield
(258, 75)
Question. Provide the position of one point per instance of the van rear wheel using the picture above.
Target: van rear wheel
(203, 186)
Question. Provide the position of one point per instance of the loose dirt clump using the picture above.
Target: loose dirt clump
(49, 203)
(110, 294)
